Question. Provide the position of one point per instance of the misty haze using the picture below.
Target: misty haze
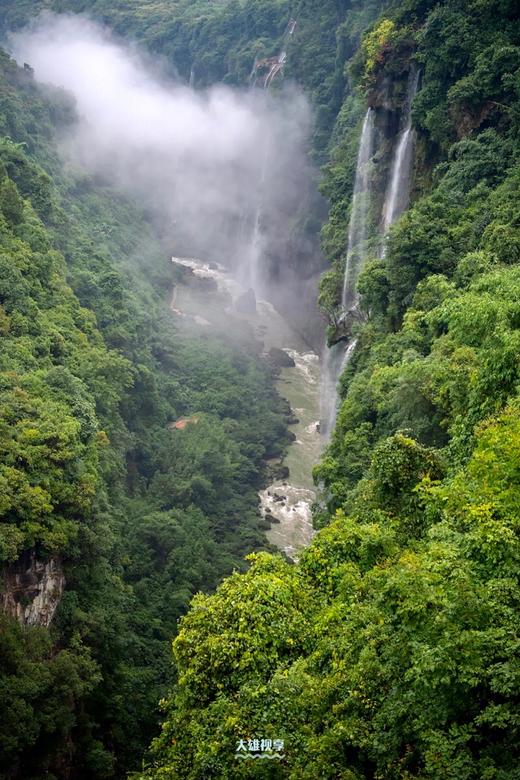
(200, 161)
(259, 389)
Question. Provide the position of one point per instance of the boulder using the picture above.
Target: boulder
(280, 358)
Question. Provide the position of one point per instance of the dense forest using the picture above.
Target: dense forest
(135, 517)
(390, 648)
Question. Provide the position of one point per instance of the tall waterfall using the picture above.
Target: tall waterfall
(336, 358)
(357, 229)
(396, 201)
(398, 192)
(250, 274)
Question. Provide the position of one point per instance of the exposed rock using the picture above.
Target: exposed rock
(280, 358)
(246, 303)
(32, 589)
(344, 326)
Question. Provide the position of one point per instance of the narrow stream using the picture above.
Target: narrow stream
(286, 502)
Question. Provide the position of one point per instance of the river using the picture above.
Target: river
(212, 302)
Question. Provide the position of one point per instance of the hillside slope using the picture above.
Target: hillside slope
(110, 520)
(389, 651)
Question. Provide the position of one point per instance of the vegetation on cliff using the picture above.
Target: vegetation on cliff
(390, 649)
(138, 515)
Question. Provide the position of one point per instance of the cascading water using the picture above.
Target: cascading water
(334, 362)
(398, 192)
(396, 202)
(287, 501)
(336, 358)
(357, 229)
(250, 272)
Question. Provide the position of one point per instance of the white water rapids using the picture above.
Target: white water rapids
(288, 501)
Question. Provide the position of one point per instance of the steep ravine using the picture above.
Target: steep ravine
(208, 296)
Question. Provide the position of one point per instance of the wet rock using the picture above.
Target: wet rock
(203, 283)
(280, 359)
(246, 303)
(344, 326)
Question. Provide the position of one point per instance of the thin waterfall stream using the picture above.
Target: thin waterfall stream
(250, 272)
(397, 197)
(336, 357)
(398, 192)
(357, 229)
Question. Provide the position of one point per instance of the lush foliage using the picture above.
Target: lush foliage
(405, 659)
(384, 653)
(139, 516)
(390, 650)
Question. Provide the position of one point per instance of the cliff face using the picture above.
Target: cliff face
(32, 589)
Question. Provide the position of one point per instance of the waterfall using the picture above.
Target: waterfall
(357, 229)
(398, 192)
(396, 201)
(336, 358)
(334, 362)
(250, 275)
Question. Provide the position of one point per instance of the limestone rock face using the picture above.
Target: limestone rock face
(32, 589)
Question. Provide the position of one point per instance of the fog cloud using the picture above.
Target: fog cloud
(201, 161)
